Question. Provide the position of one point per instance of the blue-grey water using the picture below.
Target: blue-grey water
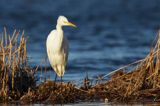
(109, 33)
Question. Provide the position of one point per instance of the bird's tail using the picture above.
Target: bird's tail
(60, 70)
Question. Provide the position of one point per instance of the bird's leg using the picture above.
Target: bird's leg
(61, 74)
(61, 92)
(61, 80)
(55, 80)
(61, 84)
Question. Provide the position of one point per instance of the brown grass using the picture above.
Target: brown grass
(17, 81)
(15, 76)
(143, 83)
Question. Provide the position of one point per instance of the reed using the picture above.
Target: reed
(15, 75)
(139, 83)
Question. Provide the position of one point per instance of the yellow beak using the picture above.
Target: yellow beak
(70, 24)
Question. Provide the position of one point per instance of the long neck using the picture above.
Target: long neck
(59, 36)
(59, 27)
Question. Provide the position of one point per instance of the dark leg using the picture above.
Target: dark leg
(55, 68)
(55, 78)
(61, 80)
(61, 92)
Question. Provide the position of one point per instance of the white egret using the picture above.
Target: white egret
(57, 46)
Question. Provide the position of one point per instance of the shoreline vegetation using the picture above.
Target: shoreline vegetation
(140, 83)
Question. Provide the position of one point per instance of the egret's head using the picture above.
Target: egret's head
(63, 21)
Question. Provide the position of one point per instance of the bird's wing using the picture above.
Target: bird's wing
(51, 38)
(51, 47)
(65, 50)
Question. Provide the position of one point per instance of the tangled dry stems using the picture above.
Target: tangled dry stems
(141, 84)
(17, 80)
(15, 76)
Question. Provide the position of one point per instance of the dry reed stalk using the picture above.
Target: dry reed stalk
(13, 62)
(146, 76)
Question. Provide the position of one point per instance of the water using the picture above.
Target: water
(110, 34)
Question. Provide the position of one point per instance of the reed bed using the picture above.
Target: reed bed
(140, 84)
(15, 75)
(136, 82)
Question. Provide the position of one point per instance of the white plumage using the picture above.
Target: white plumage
(57, 46)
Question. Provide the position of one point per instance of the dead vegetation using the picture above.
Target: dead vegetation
(50, 92)
(141, 84)
(15, 76)
(17, 80)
